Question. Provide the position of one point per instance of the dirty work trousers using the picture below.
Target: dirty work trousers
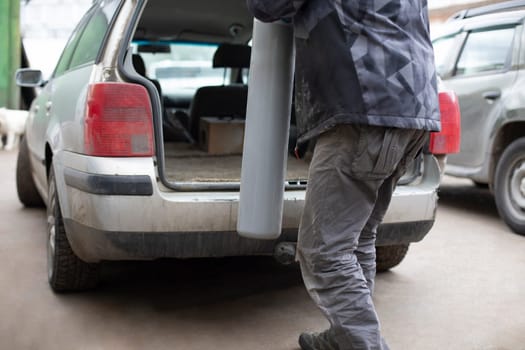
(352, 175)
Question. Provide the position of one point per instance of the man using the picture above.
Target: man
(366, 91)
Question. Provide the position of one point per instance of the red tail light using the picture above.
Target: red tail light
(118, 121)
(448, 139)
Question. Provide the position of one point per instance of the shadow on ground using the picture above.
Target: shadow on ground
(467, 196)
(173, 284)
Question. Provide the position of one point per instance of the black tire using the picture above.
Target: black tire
(509, 186)
(25, 186)
(390, 256)
(66, 272)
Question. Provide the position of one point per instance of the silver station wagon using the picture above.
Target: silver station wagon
(134, 144)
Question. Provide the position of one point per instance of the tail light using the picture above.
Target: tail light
(448, 139)
(118, 121)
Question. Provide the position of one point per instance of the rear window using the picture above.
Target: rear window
(181, 67)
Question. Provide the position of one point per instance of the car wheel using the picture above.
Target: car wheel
(25, 185)
(390, 256)
(509, 186)
(66, 272)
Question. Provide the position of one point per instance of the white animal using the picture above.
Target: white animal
(12, 125)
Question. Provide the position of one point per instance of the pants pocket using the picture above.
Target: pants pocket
(379, 152)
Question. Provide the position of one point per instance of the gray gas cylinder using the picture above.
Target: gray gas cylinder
(266, 131)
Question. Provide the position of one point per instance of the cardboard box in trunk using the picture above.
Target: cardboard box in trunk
(221, 135)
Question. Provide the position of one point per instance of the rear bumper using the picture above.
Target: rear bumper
(109, 185)
(110, 213)
(95, 245)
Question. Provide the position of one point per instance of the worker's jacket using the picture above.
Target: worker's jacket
(359, 61)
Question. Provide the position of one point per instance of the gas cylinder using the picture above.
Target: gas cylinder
(266, 130)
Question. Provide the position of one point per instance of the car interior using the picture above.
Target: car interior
(226, 28)
(197, 53)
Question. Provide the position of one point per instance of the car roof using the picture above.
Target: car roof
(454, 26)
(196, 20)
(491, 8)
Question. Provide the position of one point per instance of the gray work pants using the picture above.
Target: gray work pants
(353, 173)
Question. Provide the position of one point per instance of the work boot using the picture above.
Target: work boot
(317, 341)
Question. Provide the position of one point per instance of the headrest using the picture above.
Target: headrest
(232, 56)
(138, 64)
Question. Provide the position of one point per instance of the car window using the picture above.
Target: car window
(84, 43)
(181, 66)
(89, 43)
(442, 52)
(485, 51)
(65, 58)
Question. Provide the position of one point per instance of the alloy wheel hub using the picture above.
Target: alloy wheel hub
(517, 185)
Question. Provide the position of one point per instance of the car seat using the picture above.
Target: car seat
(140, 68)
(222, 100)
(172, 128)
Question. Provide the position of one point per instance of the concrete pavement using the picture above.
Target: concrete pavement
(461, 288)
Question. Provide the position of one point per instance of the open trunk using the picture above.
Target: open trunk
(185, 162)
(196, 55)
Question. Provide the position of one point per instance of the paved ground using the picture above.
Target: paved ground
(461, 288)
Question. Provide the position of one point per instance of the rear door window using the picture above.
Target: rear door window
(486, 51)
(67, 53)
(85, 42)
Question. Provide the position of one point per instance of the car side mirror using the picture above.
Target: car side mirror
(26, 77)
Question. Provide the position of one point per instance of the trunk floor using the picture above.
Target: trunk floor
(188, 163)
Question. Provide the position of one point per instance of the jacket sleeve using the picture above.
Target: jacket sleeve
(272, 10)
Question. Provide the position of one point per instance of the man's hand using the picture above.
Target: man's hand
(273, 10)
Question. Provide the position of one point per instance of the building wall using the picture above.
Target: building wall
(51, 18)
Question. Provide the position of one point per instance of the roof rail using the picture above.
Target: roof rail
(478, 11)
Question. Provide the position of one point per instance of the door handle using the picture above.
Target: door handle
(49, 104)
(491, 95)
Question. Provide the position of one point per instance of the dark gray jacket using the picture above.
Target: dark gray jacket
(359, 61)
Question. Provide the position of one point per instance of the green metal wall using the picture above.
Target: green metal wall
(9, 52)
